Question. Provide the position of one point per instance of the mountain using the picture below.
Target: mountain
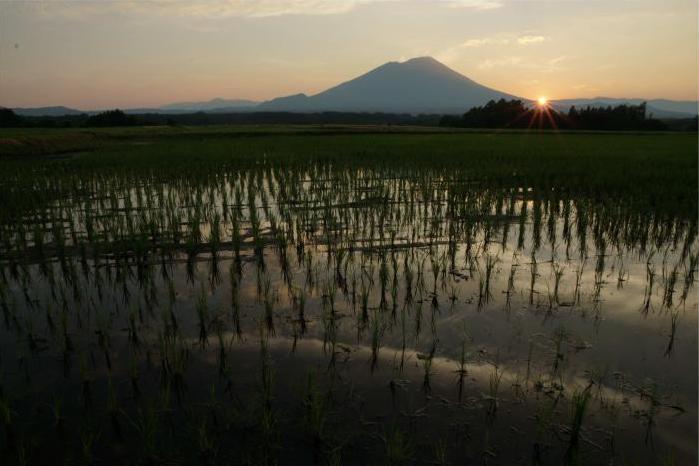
(420, 85)
(659, 108)
(47, 111)
(210, 105)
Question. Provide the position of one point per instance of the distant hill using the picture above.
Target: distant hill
(420, 85)
(216, 104)
(659, 108)
(47, 111)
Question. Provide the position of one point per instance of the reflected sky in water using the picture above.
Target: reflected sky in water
(484, 308)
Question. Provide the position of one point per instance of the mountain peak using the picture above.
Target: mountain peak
(426, 60)
(417, 85)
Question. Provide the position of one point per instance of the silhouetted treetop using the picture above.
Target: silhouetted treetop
(111, 118)
(9, 119)
(516, 114)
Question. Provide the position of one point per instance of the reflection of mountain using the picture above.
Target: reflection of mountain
(420, 85)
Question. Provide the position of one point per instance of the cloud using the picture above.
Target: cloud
(234, 8)
(508, 39)
(262, 8)
(475, 4)
(205, 9)
(485, 41)
(453, 52)
(545, 66)
(527, 40)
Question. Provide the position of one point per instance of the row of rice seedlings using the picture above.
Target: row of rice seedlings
(136, 232)
(204, 213)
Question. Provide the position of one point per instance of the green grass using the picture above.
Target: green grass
(49, 141)
(656, 172)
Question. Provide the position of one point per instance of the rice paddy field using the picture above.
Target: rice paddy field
(347, 296)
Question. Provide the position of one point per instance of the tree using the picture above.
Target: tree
(111, 118)
(9, 119)
(517, 114)
(506, 114)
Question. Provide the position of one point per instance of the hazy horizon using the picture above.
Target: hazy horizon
(100, 54)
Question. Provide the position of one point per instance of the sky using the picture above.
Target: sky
(95, 54)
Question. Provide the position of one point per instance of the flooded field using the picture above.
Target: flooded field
(255, 309)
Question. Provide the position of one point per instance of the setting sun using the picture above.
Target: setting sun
(542, 101)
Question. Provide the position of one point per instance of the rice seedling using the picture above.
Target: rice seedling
(7, 415)
(691, 269)
(333, 456)
(560, 336)
(376, 332)
(266, 372)
(205, 443)
(530, 353)
(532, 282)
(441, 452)
(364, 304)
(214, 239)
(579, 403)
(146, 427)
(398, 449)
(114, 412)
(494, 380)
(88, 439)
(102, 259)
(56, 408)
(668, 459)
(622, 273)
(269, 306)
(648, 293)
(427, 368)
(174, 362)
(669, 292)
(673, 332)
(203, 316)
(86, 385)
(462, 372)
(557, 275)
(300, 302)
(316, 411)
(23, 453)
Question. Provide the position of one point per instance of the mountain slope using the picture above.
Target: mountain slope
(420, 85)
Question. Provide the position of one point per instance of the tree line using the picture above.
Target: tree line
(516, 114)
(8, 118)
(501, 114)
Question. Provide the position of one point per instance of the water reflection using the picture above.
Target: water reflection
(331, 314)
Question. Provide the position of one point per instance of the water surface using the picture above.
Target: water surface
(343, 315)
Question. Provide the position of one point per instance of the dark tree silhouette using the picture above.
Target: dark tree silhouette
(506, 114)
(621, 117)
(111, 118)
(516, 114)
(9, 119)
